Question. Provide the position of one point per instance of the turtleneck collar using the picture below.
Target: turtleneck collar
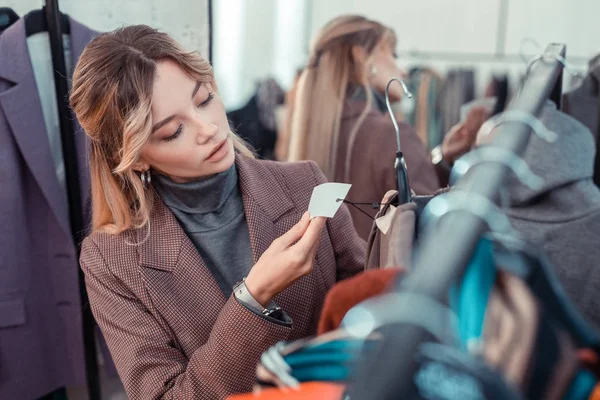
(202, 196)
(358, 93)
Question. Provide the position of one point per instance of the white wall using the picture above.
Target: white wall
(255, 39)
(187, 23)
(471, 26)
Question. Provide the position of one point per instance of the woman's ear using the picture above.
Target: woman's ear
(140, 166)
(359, 54)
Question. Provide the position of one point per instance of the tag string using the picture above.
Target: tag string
(356, 205)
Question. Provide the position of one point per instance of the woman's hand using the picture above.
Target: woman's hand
(461, 136)
(289, 258)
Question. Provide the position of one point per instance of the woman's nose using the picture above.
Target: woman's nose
(205, 130)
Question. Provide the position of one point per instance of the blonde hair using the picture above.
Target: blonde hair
(319, 102)
(111, 97)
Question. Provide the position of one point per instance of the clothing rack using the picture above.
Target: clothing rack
(69, 150)
(466, 57)
(597, 162)
(443, 254)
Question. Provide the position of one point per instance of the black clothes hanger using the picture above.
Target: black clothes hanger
(50, 19)
(597, 161)
(7, 18)
(402, 183)
(35, 22)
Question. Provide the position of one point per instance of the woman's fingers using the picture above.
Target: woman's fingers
(311, 236)
(294, 234)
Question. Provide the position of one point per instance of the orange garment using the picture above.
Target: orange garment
(595, 393)
(348, 293)
(307, 391)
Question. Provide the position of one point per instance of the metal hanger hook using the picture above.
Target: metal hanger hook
(521, 48)
(496, 155)
(472, 203)
(525, 118)
(558, 57)
(389, 105)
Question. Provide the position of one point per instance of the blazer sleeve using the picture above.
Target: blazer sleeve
(148, 360)
(349, 248)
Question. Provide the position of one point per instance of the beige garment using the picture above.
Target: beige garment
(392, 246)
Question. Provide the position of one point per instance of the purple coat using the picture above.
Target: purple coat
(41, 346)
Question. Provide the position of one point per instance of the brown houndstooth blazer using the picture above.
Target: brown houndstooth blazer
(170, 330)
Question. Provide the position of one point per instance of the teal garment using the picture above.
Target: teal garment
(582, 386)
(435, 135)
(331, 361)
(469, 297)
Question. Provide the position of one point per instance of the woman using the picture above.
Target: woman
(340, 118)
(182, 213)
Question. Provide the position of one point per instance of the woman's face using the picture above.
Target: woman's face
(190, 136)
(382, 67)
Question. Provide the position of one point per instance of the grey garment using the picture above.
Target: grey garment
(41, 342)
(458, 89)
(582, 102)
(211, 213)
(563, 217)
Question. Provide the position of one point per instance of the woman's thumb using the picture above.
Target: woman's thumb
(294, 234)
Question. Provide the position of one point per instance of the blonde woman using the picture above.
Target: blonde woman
(340, 118)
(200, 257)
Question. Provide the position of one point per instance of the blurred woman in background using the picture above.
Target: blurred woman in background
(340, 117)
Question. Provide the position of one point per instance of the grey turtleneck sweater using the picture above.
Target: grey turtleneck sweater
(211, 212)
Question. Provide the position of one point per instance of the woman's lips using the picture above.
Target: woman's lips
(218, 152)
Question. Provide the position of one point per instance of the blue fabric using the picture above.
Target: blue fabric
(469, 298)
(329, 361)
(582, 386)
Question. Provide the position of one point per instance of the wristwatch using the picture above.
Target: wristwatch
(242, 294)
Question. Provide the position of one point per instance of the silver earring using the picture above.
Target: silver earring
(373, 70)
(146, 179)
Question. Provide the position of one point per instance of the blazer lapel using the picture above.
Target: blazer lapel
(21, 105)
(265, 202)
(177, 279)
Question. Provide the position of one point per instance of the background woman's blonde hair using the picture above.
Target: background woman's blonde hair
(111, 97)
(319, 102)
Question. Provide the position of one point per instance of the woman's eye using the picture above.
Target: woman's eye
(174, 135)
(206, 102)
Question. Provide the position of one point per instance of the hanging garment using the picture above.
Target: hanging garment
(459, 88)
(582, 102)
(346, 294)
(256, 121)
(425, 85)
(390, 243)
(370, 160)
(563, 216)
(309, 390)
(507, 319)
(40, 312)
